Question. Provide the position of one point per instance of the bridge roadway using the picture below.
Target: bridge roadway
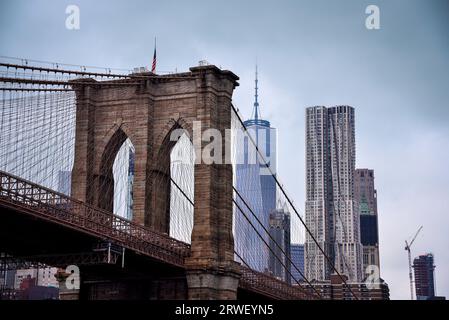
(52, 228)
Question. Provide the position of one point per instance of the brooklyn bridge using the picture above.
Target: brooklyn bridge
(186, 229)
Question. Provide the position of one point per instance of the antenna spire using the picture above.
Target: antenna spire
(256, 95)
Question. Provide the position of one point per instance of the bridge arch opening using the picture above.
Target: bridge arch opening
(115, 178)
(123, 173)
(173, 181)
(182, 166)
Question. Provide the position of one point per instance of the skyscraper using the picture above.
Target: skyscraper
(256, 185)
(265, 137)
(297, 256)
(331, 214)
(366, 199)
(424, 278)
(279, 258)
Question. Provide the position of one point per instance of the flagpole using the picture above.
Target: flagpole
(153, 66)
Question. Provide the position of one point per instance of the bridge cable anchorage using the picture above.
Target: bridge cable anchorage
(289, 201)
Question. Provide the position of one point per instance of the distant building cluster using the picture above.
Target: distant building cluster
(341, 205)
(341, 208)
(341, 213)
(336, 289)
(29, 284)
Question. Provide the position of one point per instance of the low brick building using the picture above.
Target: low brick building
(336, 289)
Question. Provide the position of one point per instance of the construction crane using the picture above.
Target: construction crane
(407, 248)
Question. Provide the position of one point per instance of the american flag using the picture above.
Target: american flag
(153, 66)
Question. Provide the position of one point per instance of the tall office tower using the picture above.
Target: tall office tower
(256, 185)
(365, 196)
(265, 137)
(331, 215)
(424, 278)
(279, 259)
(297, 256)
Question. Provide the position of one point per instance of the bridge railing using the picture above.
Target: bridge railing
(270, 286)
(59, 208)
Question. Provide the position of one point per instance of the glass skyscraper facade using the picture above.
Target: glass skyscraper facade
(297, 257)
(254, 172)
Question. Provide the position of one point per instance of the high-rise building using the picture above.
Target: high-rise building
(265, 138)
(297, 257)
(256, 186)
(331, 214)
(279, 258)
(424, 267)
(248, 243)
(366, 199)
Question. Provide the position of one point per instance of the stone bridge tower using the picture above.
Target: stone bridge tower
(146, 109)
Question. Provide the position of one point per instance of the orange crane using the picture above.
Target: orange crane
(407, 248)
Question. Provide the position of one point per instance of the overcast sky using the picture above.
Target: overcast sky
(309, 53)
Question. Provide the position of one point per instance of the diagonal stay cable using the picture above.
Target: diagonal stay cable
(271, 237)
(182, 191)
(246, 217)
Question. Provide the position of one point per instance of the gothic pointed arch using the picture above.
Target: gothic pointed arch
(160, 173)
